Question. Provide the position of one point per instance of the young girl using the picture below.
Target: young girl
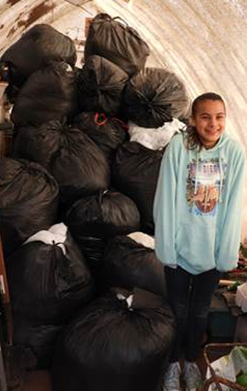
(197, 214)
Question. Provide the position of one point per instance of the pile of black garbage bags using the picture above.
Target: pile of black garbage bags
(87, 292)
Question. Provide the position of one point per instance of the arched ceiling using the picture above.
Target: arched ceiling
(204, 42)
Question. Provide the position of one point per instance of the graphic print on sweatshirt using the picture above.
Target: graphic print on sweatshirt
(205, 183)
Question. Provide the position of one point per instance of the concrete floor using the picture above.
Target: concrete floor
(37, 381)
(40, 380)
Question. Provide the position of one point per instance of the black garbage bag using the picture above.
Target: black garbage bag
(50, 93)
(100, 84)
(48, 277)
(113, 39)
(28, 201)
(12, 92)
(94, 219)
(128, 264)
(35, 49)
(121, 340)
(155, 96)
(40, 339)
(107, 132)
(78, 165)
(135, 173)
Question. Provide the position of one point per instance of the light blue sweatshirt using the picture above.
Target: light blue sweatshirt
(198, 206)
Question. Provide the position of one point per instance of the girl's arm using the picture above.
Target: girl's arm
(230, 235)
(164, 207)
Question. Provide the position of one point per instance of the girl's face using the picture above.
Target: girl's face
(209, 121)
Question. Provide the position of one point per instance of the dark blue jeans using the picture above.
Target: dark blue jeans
(190, 298)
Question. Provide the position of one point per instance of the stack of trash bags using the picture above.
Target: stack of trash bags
(76, 196)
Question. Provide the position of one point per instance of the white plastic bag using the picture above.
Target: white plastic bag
(241, 297)
(229, 367)
(155, 138)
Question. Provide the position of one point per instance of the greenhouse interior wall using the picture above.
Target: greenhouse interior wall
(203, 42)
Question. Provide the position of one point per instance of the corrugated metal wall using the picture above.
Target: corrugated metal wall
(204, 42)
